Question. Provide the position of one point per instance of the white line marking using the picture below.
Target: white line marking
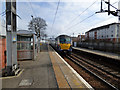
(88, 85)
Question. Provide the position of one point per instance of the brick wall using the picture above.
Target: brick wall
(2, 52)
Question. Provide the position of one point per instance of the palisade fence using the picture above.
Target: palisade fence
(103, 46)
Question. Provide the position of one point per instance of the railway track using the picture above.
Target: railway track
(105, 74)
(102, 67)
(97, 74)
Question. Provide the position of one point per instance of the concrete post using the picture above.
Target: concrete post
(11, 37)
(34, 47)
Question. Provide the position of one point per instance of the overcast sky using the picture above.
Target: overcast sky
(65, 22)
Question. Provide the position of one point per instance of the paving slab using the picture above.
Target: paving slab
(66, 76)
(37, 73)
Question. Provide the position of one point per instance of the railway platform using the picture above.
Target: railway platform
(49, 70)
(101, 53)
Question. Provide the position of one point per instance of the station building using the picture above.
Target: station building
(108, 33)
(81, 38)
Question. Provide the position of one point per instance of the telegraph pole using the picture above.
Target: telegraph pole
(11, 39)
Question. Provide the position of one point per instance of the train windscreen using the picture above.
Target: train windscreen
(65, 40)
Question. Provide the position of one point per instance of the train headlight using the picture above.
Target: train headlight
(59, 47)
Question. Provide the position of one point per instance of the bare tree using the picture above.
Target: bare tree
(38, 25)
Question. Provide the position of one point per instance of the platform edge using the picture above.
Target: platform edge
(88, 85)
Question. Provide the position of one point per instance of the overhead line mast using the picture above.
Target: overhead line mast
(114, 13)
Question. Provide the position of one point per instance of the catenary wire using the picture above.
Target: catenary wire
(55, 15)
(104, 8)
(80, 21)
(85, 19)
(32, 9)
(3, 13)
(82, 12)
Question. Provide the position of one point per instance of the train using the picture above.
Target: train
(63, 44)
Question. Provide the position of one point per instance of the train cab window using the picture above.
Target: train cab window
(65, 40)
(62, 40)
(68, 40)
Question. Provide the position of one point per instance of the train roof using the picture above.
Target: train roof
(63, 36)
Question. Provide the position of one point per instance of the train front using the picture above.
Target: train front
(65, 44)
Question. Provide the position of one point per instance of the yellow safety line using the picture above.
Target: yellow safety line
(12, 76)
(78, 76)
(62, 83)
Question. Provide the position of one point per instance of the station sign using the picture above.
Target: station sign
(9, 28)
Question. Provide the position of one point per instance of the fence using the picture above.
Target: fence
(103, 46)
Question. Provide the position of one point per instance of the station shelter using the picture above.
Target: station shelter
(26, 45)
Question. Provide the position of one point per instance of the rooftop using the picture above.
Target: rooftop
(102, 27)
(25, 32)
